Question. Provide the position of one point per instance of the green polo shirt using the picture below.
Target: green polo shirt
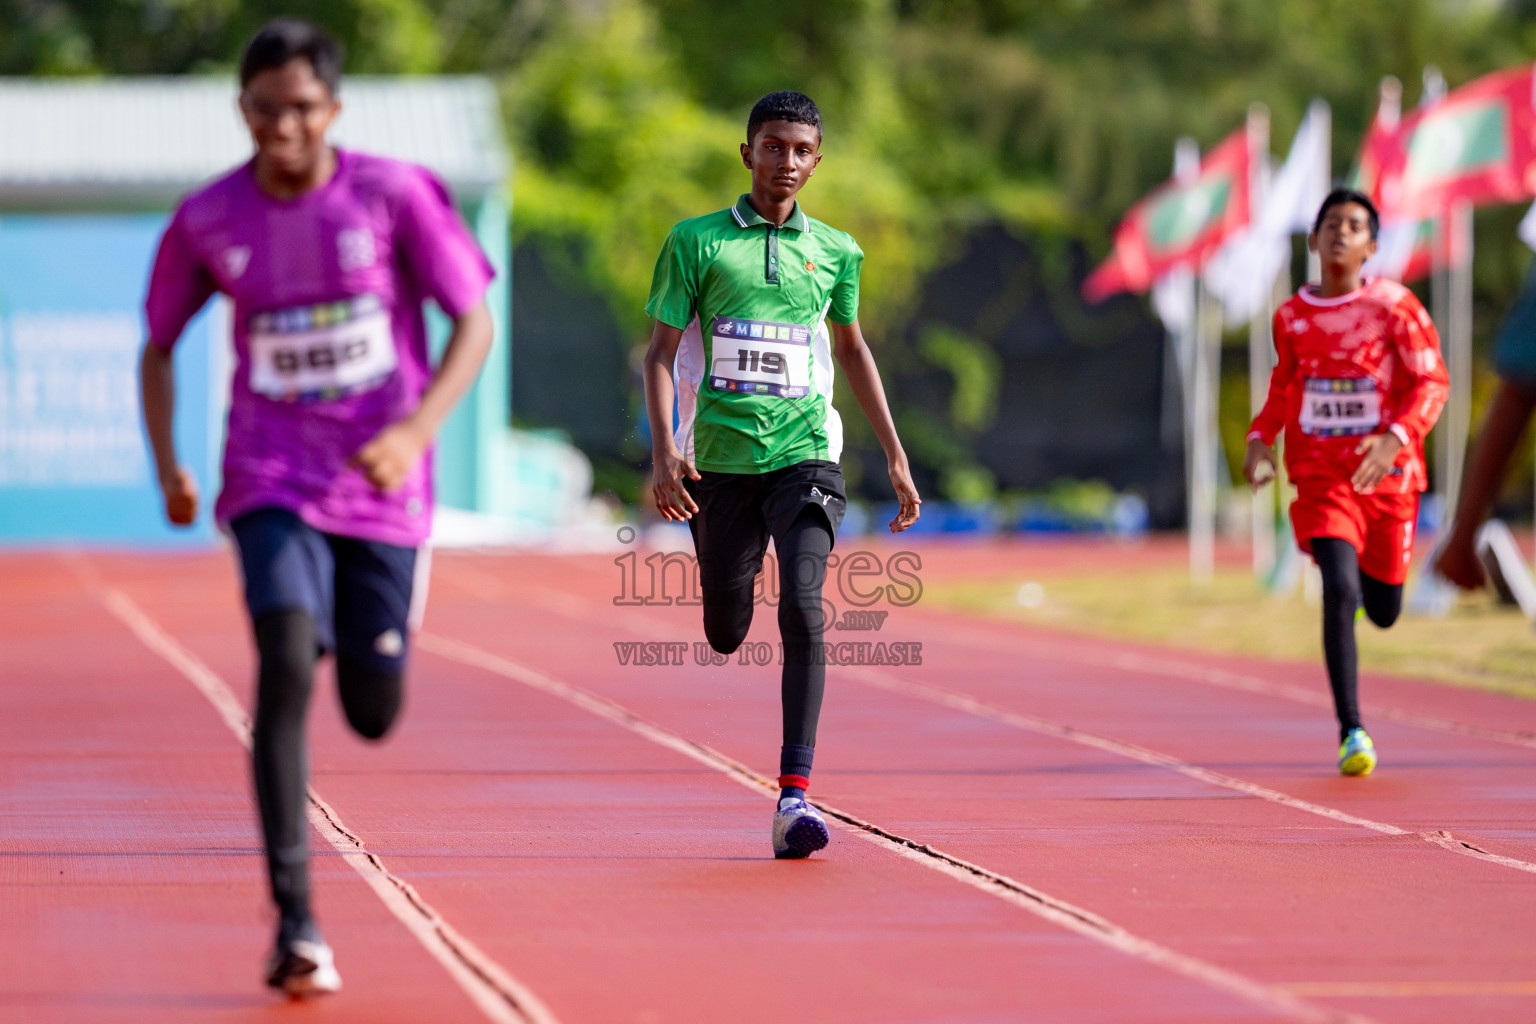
(755, 381)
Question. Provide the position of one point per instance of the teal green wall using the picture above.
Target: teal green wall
(471, 445)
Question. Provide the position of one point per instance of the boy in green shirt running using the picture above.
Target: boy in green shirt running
(752, 304)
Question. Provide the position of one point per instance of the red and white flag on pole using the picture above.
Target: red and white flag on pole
(1243, 272)
(1405, 248)
(1477, 144)
(1179, 223)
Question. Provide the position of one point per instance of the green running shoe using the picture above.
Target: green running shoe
(1357, 756)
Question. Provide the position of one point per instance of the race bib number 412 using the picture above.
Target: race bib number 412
(1340, 407)
(323, 351)
(759, 357)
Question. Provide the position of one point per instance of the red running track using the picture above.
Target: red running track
(1060, 829)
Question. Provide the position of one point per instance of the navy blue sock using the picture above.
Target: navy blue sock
(794, 770)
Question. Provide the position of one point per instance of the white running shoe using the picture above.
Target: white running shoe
(799, 830)
(304, 967)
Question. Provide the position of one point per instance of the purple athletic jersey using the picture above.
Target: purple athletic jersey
(330, 336)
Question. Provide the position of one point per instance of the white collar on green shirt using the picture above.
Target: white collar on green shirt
(747, 217)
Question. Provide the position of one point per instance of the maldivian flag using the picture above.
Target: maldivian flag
(1405, 251)
(1381, 151)
(1179, 223)
(1477, 145)
(1405, 247)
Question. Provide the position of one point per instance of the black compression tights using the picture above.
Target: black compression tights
(286, 647)
(1346, 588)
(802, 554)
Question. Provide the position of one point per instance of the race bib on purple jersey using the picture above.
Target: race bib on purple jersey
(324, 351)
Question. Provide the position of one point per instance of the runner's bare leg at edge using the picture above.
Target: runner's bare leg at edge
(327, 256)
(752, 305)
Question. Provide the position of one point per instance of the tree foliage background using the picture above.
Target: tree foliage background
(1046, 117)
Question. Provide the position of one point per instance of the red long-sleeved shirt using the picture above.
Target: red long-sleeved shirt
(1357, 364)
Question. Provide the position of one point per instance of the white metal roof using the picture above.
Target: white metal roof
(148, 140)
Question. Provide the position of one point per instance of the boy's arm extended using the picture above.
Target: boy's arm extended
(1508, 414)
(1418, 356)
(157, 389)
(853, 355)
(397, 449)
(667, 463)
(1259, 460)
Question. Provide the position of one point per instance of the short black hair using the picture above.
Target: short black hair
(795, 107)
(284, 39)
(1340, 196)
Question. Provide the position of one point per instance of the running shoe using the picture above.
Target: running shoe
(303, 967)
(799, 830)
(1358, 754)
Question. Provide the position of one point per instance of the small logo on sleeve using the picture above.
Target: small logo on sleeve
(810, 266)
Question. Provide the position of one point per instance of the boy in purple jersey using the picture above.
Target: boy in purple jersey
(328, 256)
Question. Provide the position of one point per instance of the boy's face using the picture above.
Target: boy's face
(288, 110)
(782, 158)
(1343, 239)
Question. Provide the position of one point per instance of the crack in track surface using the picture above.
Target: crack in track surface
(1057, 911)
(502, 998)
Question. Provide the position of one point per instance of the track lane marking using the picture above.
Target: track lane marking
(1174, 668)
(501, 997)
(983, 709)
(1348, 989)
(1043, 905)
(576, 607)
(484, 585)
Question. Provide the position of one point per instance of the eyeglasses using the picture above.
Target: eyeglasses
(267, 112)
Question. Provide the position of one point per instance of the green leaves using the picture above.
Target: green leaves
(1050, 117)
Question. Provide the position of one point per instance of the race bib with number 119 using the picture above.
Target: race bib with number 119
(760, 357)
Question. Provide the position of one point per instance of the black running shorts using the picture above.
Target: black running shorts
(738, 512)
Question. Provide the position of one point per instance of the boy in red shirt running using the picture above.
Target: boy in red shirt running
(1359, 383)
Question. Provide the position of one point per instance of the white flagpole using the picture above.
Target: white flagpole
(1441, 305)
(1260, 345)
(1199, 442)
(1202, 445)
(1458, 411)
(1431, 594)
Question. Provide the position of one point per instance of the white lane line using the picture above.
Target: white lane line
(502, 998)
(1150, 664)
(983, 709)
(1026, 897)
(576, 608)
(573, 606)
(1379, 989)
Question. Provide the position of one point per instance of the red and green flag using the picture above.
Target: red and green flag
(1180, 223)
(1405, 249)
(1477, 145)
(1381, 150)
